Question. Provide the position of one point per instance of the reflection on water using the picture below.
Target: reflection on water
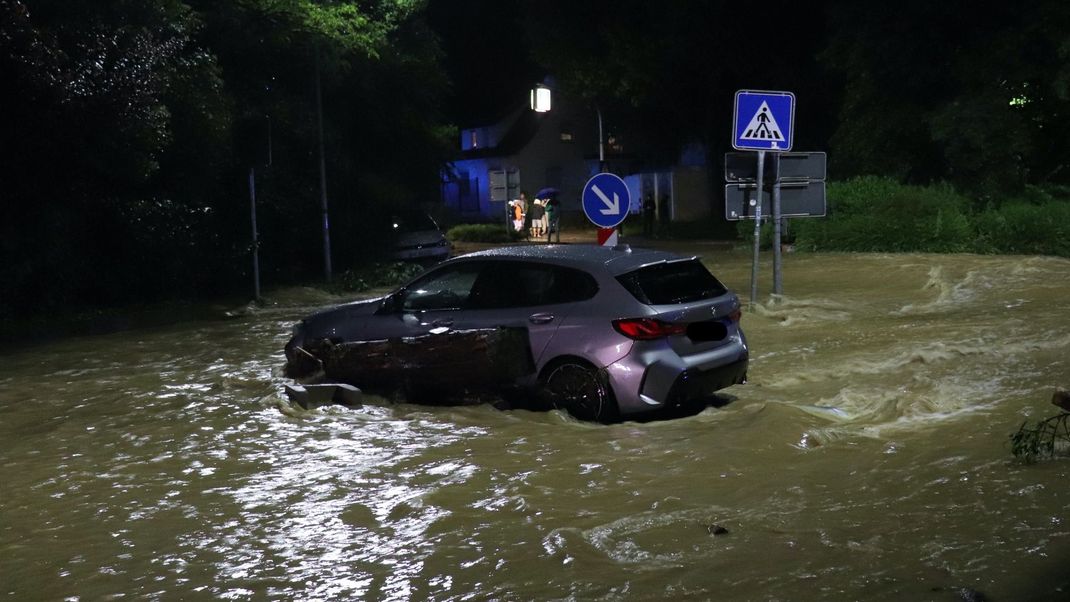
(866, 459)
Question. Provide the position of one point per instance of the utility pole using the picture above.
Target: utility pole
(601, 144)
(256, 235)
(323, 173)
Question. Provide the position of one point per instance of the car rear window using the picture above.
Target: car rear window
(673, 282)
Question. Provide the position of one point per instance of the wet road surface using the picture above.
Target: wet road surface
(867, 459)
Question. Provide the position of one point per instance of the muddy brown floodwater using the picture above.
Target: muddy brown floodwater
(866, 459)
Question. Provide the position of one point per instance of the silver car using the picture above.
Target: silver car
(418, 238)
(602, 332)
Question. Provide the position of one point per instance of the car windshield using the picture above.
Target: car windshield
(414, 223)
(672, 282)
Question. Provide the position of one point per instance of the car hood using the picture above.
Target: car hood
(420, 237)
(339, 322)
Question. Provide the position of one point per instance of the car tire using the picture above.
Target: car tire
(580, 389)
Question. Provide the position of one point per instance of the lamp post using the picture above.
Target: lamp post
(541, 103)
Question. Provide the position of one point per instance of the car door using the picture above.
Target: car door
(527, 297)
(409, 341)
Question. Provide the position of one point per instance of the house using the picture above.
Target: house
(527, 151)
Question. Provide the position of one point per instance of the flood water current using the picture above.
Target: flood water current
(866, 459)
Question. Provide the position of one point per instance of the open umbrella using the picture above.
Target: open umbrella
(546, 193)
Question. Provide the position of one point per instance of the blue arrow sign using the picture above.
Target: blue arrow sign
(763, 120)
(606, 200)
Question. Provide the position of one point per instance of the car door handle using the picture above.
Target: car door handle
(542, 318)
(442, 322)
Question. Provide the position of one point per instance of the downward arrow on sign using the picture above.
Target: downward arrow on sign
(612, 207)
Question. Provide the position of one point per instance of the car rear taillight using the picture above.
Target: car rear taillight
(736, 315)
(646, 329)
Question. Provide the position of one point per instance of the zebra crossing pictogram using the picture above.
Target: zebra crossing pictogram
(763, 126)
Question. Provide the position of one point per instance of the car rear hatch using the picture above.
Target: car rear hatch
(690, 308)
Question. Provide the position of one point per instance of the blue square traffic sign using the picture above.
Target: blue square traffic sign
(763, 120)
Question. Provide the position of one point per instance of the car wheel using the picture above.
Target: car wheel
(581, 390)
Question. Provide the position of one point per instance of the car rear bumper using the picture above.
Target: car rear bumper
(697, 384)
(656, 378)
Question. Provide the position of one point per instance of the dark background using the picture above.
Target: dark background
(130, 126)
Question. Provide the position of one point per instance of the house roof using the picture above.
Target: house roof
(524, 126)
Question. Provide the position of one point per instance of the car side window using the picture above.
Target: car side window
(447, 288)
(571, 285)
(505, 284)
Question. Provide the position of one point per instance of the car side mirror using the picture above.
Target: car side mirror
(391, 304)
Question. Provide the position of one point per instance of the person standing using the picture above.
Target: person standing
(538, 218)
(517, 209)
(648, 215)
(518, 215)
(552, 219)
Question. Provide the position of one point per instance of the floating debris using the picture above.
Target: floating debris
(1048, 438)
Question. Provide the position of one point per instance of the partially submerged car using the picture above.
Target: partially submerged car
(418, 238)
(602, 332)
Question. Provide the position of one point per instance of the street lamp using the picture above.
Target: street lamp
(540, 99)
(540, 103)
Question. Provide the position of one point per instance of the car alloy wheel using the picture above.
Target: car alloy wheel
(581, 390)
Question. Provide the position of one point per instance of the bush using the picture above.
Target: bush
(376, 275)
(1022, 227)
(691, 230)
(745, 230)
(492, 233)
(879, 214)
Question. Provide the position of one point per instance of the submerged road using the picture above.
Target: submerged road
(867, 459)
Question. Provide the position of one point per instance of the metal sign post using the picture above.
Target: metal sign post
(777, 275)
(757, 229)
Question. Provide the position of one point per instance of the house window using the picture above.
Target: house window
(566, 132)
(473, 138)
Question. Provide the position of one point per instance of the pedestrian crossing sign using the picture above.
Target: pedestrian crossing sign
(763, 120)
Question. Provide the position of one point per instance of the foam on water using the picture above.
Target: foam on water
(789, 311)
(916, 357)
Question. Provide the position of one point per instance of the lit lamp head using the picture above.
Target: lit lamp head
(540, 99)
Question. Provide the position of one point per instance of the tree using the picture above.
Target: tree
(951, 91)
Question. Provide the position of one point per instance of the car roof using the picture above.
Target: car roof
(617, 260)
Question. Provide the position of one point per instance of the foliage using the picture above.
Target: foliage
(490, 233)
(745, 233)
(375, 275)
(691, 230)
(950, 93)
(134, 125)
(1024, 227)
(1045, 439)
(878, 214)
